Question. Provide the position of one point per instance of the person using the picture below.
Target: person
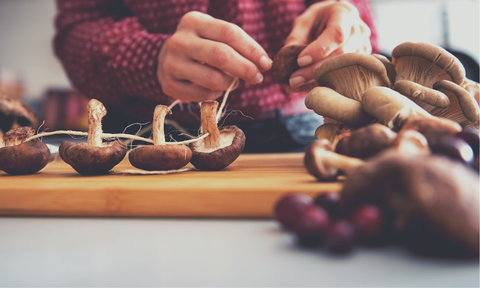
(133, 55)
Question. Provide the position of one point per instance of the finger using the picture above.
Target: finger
(188, 91)
(336, 33)
(235, 37)
(307, 73)
(225, 58)
(300, 31)
(304, 88)
(203, 75)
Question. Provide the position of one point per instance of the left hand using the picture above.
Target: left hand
(329, 28)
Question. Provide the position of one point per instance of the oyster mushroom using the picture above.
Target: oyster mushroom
(160, 156)
(391, 108)
(423, 68)
(14, 113)
(431, 201)
(20, 158)
(93, 157)
(463, 107)
(221, 147)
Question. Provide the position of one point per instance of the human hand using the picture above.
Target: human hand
(329, 28)
(201, 59)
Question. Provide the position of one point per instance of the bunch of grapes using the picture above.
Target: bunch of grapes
(318, 222)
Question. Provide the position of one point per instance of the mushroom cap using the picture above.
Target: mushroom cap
(347, 62)
(434, 129)
(432, 53)
(14, 113)
(26, 158)
(366, 141)
(18, 135)
(390, 107)
(328, 103)
(313, 160)
(434, 191)
(391, 72)
(160, 157)
(462, 102)
(285, 63)
(420, 94)
(233, 142)
(90, 160)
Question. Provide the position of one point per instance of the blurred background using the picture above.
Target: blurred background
(29, 69)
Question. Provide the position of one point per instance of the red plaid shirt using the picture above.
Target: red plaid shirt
(109, 49)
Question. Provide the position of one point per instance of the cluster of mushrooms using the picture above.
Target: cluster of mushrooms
(21, 153)
(382, 123)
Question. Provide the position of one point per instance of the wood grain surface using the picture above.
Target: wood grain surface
(247, 188)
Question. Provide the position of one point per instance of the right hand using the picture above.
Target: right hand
(201, 59)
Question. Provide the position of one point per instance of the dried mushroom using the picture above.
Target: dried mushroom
(431, 201)
(221, 147)
(20, 158)
(160, 156)
(14, 113)
(93, 157)
(285, 63)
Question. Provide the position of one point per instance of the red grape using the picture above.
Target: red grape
(330, 202)
(311, 226)
(340, 237)
(368, 222)
(289, 207)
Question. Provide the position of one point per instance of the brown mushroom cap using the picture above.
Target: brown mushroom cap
(232, 142)
(14, 113)
(434, 129)
(91, 160)
(160, 157)
(285, 63)
(350, 74)
(329, 103)
(435, 192)
(463, 108)
(433, 55)
(22, 158)
(366, 141)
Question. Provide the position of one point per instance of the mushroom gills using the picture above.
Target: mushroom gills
(226, 139)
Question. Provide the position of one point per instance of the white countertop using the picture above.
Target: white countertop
(43, 251)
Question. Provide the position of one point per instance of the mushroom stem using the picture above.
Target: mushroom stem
(209, 124)
(96, 112)
(158, 124)
(341, 162)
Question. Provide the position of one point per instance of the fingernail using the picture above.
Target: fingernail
(296, 81)
(258, 78)
(265, 63)
(304, 61)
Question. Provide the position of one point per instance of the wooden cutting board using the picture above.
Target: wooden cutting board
(249, 187)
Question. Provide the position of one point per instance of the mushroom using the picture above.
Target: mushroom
(411, 142)
(366, 141)
(434, 129)
(390, 69)
(333, 132)
(431, 201)
(423, 68)
(323, 163)
(285, 63)
(221, 147)
(93, 157)
(20, 158)
(14, 113)
(160, 156)
(391, 108)
(463, 107)
(332, 105)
